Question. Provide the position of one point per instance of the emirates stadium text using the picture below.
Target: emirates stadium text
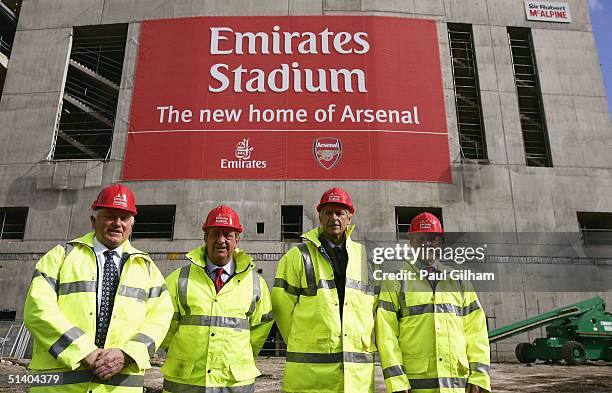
(225, 41)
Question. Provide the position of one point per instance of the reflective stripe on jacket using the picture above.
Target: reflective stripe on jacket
(432, 341)
(215, 337)
(323, 353)
(60, 312)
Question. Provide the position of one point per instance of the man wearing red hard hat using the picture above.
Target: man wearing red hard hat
(222, 314)
(99, 308)
(324, 301)
(431, 331)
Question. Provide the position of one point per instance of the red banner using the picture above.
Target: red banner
(338, 97)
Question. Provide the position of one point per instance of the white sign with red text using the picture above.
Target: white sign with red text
(547, 11)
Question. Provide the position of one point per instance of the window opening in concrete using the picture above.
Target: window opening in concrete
(472, 141)
(260, 228)
(154, 222)
(404, 214)
(13, 222)
(91, 93)
(291, 222)
(8, 315)
(531, 109)
(595, 228)
(9, 14)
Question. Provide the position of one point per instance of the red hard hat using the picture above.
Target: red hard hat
(426, 222)
(336, 195)
(222, 216)
(116, 196)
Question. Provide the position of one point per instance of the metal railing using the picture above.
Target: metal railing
(153, 230)
(531, 108)
(274, 345)
(5, 46)
(291, 231)
(596, 237)
(470, 121)
(14, 340)
(12, 223)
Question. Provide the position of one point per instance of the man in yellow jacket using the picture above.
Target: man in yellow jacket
(431, 330)
(99, 308)
(222, 314)
(324, 303)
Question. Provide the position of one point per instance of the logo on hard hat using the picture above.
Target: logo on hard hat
(120, 200)
(243, 153)
(223, 219)
(327, 152)
(425, 225)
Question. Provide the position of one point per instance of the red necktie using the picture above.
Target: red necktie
(219, 279)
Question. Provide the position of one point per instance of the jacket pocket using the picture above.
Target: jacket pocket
(368, 343)
(310, 343)
(463, 365)
(244, 371)
(416, 365)
(177, 368)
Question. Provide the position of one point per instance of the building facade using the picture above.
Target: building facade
(529, 139)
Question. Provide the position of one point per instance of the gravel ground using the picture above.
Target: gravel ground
(506, 377)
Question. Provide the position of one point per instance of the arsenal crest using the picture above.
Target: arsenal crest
(327, 152)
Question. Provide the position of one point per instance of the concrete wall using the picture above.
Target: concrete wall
(502, 196)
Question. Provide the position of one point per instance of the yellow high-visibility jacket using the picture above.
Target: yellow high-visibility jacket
(325, 354)
(61, 309)
(214, 338)
(432, 341)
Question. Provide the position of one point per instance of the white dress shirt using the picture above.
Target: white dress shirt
(99, 250)
(228, 270)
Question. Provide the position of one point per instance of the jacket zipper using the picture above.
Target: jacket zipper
(321, 249)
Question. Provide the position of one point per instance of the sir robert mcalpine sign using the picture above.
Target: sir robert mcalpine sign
(547, 11)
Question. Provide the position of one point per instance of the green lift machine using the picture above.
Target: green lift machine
(574, 333)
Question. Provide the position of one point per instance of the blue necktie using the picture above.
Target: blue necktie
(110, 282)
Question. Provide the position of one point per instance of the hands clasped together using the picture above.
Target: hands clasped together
(105, 363)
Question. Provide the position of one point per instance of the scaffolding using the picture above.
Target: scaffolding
(9, 13)
(91, 93)
(14, 335)
(472, 141)
(531, 109)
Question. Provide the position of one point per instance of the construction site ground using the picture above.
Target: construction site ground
(506, 377)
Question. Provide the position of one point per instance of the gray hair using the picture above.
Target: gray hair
(96, 212)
